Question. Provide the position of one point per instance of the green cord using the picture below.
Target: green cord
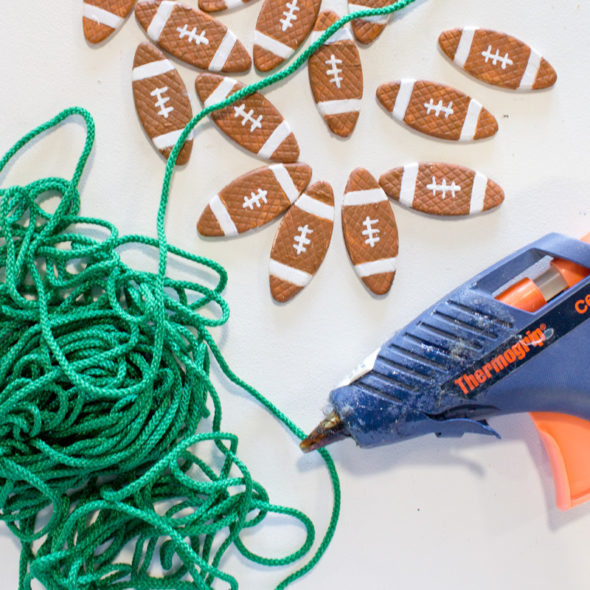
(104, 383)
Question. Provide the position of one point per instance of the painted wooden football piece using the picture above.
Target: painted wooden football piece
(301, 242)
(437, 110)
(442, 189)
(192, 36)
(254, 122)
(497, 58)
(282, 26)
(366, 30)
(161, 100)
(219, 5)
(336, 77)
(101, 18)
(254, 199)
(370, 231)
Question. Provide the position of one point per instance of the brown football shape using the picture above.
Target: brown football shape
(218, 5)
(192, 36)
(437, 110)
(254, 199)
(254, 122)
(301, 242)
(370, 231)
(101, 18)
(336, 77)
(497, 58)
(442, 189)
(366, 30)
(282, 26)
(161, 100)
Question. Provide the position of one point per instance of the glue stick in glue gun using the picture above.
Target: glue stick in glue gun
(486, 350)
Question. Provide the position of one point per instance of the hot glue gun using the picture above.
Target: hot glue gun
(514, 338)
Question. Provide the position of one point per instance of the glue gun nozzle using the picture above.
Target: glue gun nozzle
(330, 429)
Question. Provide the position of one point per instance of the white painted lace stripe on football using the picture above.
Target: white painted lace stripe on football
(478, 193)
(342, 34)
(285, 182)
(366, 197)
(296, 277)
(229, 4)
(408, 188)
(376, 267)
(470, 123)
(339, 107)
(221, 92)
(315, 207)
(228, 227)
(223, 52)
(102, 16)
(275, 47)
(275, 140)
(160, 19)
(378, 20)
(169, 139)
(402, 100)
(152, 69)
(530, 74)
(464, 46)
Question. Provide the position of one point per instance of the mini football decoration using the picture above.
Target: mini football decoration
(254, 122)
(441, 189)
(192, 36)
(370, 231)
(218, 5)
(336, 77)
(497, 58)
(366, 30)
(437, 110)
(254, 199)
(161, 100)
(301, 242)
(282, 26)
(101, 18)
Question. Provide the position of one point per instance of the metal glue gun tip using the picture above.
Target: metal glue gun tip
(330, 430)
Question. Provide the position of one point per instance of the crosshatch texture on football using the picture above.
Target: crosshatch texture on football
(370, 231)
(192, 36)
(254, 199)
(219, 5)
(282, 26)
(441, 189)
(101, 18)
(366, 30)
(254, 122)
(497, 58)
(437, 110)
(336, 77)
(161, 100)
(301, 242)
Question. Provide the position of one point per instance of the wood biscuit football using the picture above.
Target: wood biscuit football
(366, 30)
(370, 231)
(253, 122)
(219, 5)
(336, 77)
(192, 36)
(437, 110)
(101, 18)
(301, 242)
(282, 26)
(497, 58)
(254, 199)
(442, 189)
(161, 100)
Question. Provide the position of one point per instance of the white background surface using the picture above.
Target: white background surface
(445, 514)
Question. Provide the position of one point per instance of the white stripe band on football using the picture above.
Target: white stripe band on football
(408, 188)
(378, 20)
(315, 207)
(285, 182)
(160, 19)
(342, 34)
(464, 46)
(229, 4)
(275, 47)
(102, 16)
(366, 197)
(402, 100)
(275, 140)
(470, 124)
(169, 139)
(287, 273)
(221, 92)
(152, 69)
(478, 193)
(530, 74)
(376, 267)
(223, 218)
(223, 52)
(339, 107)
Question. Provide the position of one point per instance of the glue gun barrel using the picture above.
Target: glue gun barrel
(330, 429)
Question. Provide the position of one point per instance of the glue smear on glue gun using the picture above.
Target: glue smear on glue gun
(486, 350)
